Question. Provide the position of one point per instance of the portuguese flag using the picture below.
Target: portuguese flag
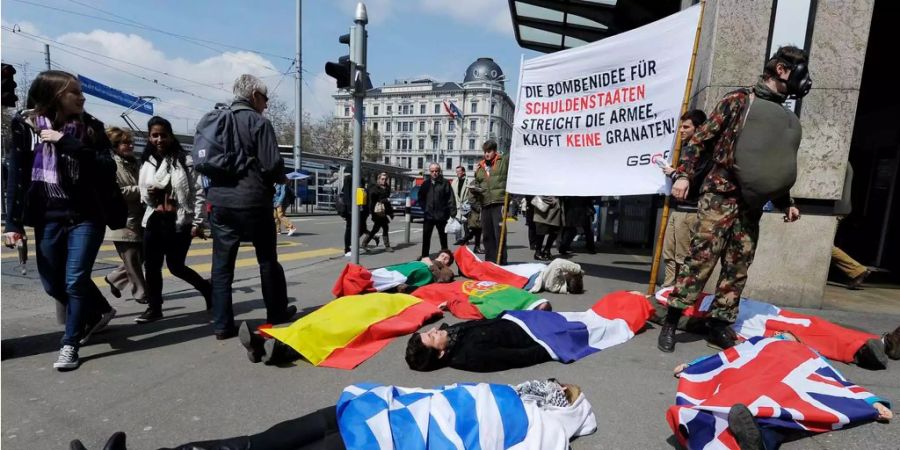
(349, 330)
(478, 299)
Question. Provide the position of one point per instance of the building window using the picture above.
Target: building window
(449, 144)
(375, 110)
(422, 109)
(471, 144)
(470, 162)
(492, 107)
(387, 160)
(375, 126)
(473, 125)
(474, 107)
(437, 108)
(422, 126)
(449, 163)
(419, 163)
(421, 144)
(491, 129)
(437, 127)
(387, 144)
(346, 111)
(390, 109)
(387, 127)
(434, 143)
(452, 126)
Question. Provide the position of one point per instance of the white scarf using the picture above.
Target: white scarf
(161, 177)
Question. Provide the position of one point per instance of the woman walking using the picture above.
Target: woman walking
(382, 212)
(548, 214)
(174, 214)
(128, 240)
(61, 181)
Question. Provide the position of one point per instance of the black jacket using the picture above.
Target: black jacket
(437, 199)
(95, 197)
(380, 194)
(257, 187)
(493, 344)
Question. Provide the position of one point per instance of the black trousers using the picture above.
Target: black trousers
(491, 223)
(569, 233)
(229, 227)
(348, 220)
(428, 227)
(317, 430)
(163, 242)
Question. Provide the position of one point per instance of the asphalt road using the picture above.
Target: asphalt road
(171, 382)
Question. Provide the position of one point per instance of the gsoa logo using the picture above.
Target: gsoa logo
(646, 159)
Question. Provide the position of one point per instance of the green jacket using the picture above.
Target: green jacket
(493, 184)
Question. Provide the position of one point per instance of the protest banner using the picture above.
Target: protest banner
(594, 120)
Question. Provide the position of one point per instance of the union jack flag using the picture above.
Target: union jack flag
(785, 384)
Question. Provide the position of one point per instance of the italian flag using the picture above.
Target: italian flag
(356, 279)
(349, 330)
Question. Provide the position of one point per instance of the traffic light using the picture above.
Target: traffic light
(342, 71)
(9, 86)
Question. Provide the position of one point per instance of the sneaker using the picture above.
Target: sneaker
(113, 289)
(348, 254)
(98, 326)
(149, 315)
(744, 428)
(68, 358)
(892, 344)
(871, 355)
(251, 341)
(292, 232)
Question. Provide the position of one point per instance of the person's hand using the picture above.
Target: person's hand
(884, 414)
(51, 136)
(668, 170)
(198, 232)
(792, 214)
(680, 188)
(678, 369)
(10, 239)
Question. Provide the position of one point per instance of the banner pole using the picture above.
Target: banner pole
(502, 227)
(676, 153)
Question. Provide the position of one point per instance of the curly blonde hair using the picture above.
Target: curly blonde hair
(118, 135)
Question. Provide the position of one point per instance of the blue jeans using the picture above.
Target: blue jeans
(229, 227)
(65, 258)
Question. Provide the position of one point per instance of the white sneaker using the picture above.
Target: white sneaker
(101, 324)
(292, 232)
(348, 254)
(68, 358)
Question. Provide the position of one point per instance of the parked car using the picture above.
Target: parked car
(398, 201)
(415, 210)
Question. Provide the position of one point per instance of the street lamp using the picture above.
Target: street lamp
(491, 104)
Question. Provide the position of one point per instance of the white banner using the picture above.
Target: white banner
(593, 120)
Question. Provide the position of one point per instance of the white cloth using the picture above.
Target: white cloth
(553, 278)
(185, 186)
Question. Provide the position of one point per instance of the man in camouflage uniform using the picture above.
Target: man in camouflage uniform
(728, 229)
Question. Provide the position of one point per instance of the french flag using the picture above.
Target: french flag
(570, 336)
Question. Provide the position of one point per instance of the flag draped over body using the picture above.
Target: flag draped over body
(471, 266)
(478, 299)
(785, 384)
(356, 279)
(349, 330)
(570, 336)
(761, 319)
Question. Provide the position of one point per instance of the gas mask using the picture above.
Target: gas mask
(798, 83)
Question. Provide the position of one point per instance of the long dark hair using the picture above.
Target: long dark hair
(44, 93)
(175, 149)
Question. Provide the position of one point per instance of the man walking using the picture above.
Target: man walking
(242, 210)
(745, 122)
(439, 205)
(491, 179)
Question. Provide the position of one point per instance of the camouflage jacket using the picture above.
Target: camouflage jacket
(722, 128)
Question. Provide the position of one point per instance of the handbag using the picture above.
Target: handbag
(539, 204)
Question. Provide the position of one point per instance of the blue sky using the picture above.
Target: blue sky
(407, 38)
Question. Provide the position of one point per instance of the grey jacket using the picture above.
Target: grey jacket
(127, 178)
(257, 187)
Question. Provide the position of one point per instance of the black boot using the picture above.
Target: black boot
(115, 442)
(721, 335)
(251, 341)
(871, 355)
(744, 428)
(666, 340)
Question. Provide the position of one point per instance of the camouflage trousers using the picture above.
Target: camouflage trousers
(726, 232)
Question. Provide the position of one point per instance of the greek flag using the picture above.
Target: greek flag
(458, 416)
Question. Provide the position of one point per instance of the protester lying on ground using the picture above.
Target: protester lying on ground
(759, 319)
(762, 392)
(341, 334)
(525, 338)
(538, 414)
(404, 277)
(560, 276)
(480, 299)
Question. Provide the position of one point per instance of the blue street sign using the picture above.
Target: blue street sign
(91, 87)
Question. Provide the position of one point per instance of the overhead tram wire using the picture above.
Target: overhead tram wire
(155, 82)
(135, 24)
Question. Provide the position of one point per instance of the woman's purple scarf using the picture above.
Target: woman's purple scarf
(51, 169)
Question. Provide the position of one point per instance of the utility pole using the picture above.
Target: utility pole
(298, 86)
(358, 84)
(47, 55)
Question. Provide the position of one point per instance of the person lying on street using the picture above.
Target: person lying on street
(403, 278)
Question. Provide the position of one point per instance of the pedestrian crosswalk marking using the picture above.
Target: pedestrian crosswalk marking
(9, 254)
(250, 262)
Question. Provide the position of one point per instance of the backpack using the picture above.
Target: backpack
(218, 152)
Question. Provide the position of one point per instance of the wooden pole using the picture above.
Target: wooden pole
(502, 227)
(676, 153)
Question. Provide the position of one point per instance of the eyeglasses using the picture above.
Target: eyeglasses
(264, 96)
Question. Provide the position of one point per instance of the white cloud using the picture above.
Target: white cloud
(317, 92)
(487, 14)
(209, 80)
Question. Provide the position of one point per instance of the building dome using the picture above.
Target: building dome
(483, 69)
